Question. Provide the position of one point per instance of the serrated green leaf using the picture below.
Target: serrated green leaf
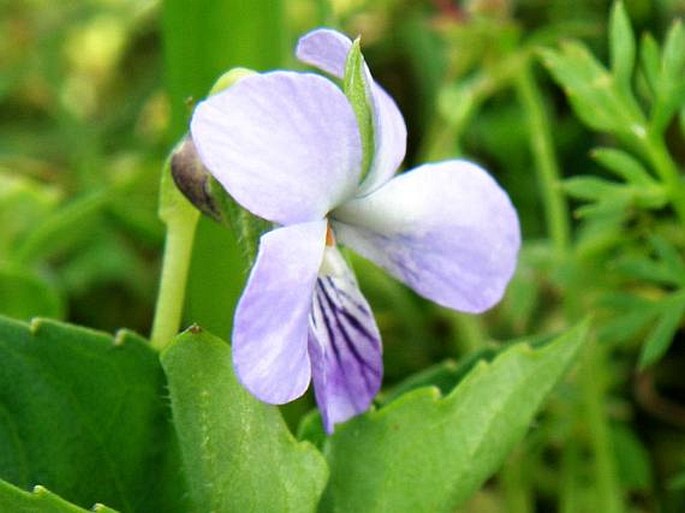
(358, 93)
(15, 500)
(661, 337)
(444, 375)
(82, 413)
(238, 453)
(424, 453)
(621, 46)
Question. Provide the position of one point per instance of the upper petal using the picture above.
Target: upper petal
(344, 344)
(285, 145)
(446, 229)
(271, 320)
(327, 50)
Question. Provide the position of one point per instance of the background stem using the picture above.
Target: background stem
(542, 148)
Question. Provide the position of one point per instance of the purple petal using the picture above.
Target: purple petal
(271, 320)
(345, 347)
(445, 229)
(327, 50)
(285, 145)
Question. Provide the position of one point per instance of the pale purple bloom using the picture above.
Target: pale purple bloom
(287, 147)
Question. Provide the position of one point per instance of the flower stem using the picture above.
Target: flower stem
(549, 176)
(181, 219)
(469, 335)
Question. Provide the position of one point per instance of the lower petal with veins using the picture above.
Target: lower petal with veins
(344, 347)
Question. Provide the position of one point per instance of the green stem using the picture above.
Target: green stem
(181, 219)
(469, 335)
(569, 491)
(549, 176)
(516, 483)
(593, 380)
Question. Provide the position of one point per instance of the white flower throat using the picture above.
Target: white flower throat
(333, 263)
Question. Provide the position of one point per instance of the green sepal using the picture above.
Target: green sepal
(358, 91)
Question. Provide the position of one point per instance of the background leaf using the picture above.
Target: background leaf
(14, 500)
(237, 451)
(622, 46)
(24, 295)
(424, 453)
(661, 337)
(82, 414)
(594, 92)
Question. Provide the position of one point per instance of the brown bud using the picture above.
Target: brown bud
(193, 179)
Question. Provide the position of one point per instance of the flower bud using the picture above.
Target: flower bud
(229, 78)
(193, 180)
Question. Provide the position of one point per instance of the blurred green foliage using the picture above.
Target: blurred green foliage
(94, 93)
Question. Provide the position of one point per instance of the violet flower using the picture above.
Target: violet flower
(288, 148)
